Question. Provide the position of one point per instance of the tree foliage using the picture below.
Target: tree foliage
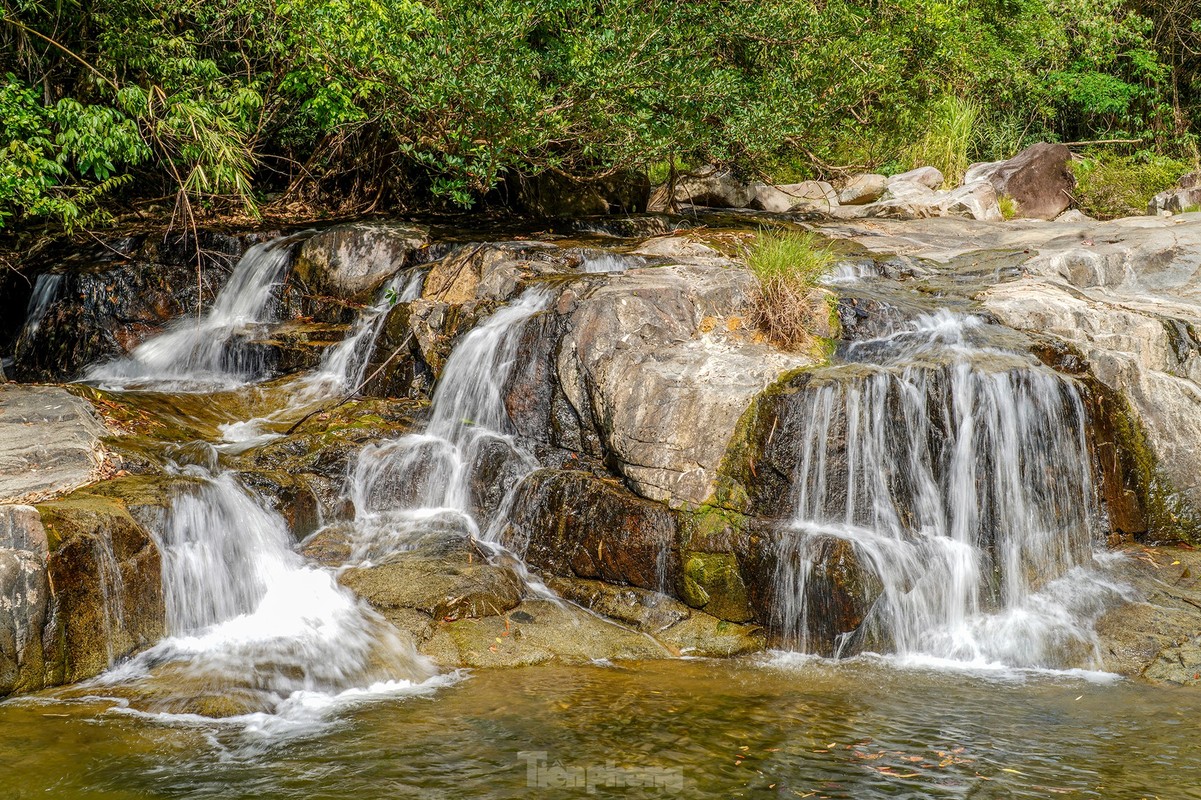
(233, 103)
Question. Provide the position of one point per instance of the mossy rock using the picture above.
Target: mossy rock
(712, 582)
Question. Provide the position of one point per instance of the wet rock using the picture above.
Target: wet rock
(353, 260)
(24, 599)
(574, 524)
(102, 302)
(1037, 178)
(713, 582)
(683, 630)
(537, 632)
(105, 578)
(859, 190)
(1185, 195)
(1157, 635)
(50, 442)
(447, 585)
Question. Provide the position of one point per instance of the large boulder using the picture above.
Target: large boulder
(1038, 179)
(860, 190)
(929, 177)
(910, 199)
(649, 352)
(551, 194)
(710, 186)
(1185, 195)
(807, 196)
(50, 442)
(353, 260)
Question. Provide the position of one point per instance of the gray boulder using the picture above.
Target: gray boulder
(718, 188)
(930, 177)
(352, 260)
(24, 598)
(1186, 194)
(50, 442)
(860, 190)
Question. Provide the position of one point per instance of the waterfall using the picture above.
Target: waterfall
(341, 369)
(403, 487)
(200, 354)
(45, 290)
(947, 485)
(247, 616)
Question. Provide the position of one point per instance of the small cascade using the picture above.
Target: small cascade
(943, 505)
(209, 352)
(404, 487)
(342, 366)
(45, 290)
(249, 619)
(602, 262)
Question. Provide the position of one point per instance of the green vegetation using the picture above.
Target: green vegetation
(947, 137)
(1108, 187)
(1008, 206)
(344, 106)
(787, 267)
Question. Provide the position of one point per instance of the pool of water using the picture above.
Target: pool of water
(782, 727)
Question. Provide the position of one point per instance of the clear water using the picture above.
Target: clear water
(858, 730)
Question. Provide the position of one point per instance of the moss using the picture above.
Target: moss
(713, 582)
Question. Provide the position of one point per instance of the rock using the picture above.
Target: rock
(649, 352)
(710, 186)
(1123, 295)
(102, 302)
(1156, 633)
(446, 583)
(537, 632)
(1185, 196)
(683, 630)
(1074, 215)
(975, 201)
(804, 196)
(678, 248)
(1037, 178)
(24, 599)
(570, 523)
(860, 190)
(929, 177)
(713, 582)
(105, 577)
(50, 442)
(353, 260)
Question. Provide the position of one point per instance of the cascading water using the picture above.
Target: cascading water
(403, 487)
(249, 619)
(45, 290)
(959, 476)
(342, 366)
(198, 354)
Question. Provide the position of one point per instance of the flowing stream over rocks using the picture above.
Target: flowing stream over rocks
(584, 464)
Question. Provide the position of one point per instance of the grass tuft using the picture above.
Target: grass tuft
(788, 267)
(947, 138)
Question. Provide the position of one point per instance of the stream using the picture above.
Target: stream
(935, 452)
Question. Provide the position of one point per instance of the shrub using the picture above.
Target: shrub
(787, 303)
(1121, 186)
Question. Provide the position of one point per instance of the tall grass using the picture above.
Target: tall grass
(788, 267)
(948, 137)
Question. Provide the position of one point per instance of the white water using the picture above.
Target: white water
(609, 262)
(960, 478)
(248, 618)
(45, 290)
(341, 369)
(210, 352)
(408, 486)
